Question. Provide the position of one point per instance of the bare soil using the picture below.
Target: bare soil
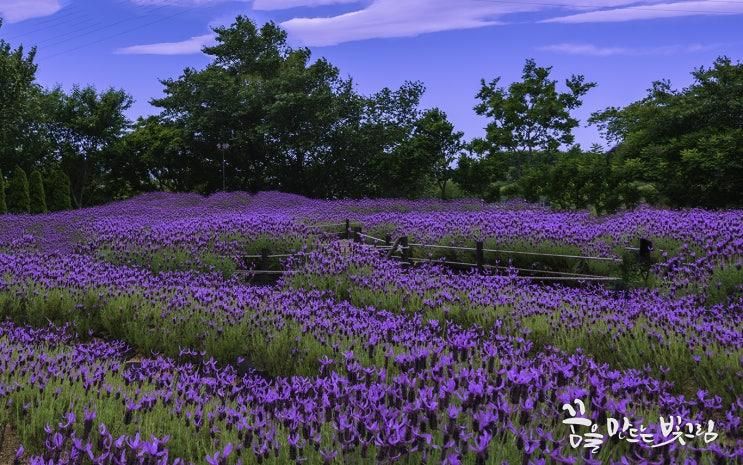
(8, 445)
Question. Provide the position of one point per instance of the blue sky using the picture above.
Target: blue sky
(449, 45)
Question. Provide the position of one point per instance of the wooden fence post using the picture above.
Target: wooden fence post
(646, 247)
(646, 262)
(405, 249)
(393, 249)
(348, 229)
(357, 234)
(388, 240)
(264, 258)
(479, 256)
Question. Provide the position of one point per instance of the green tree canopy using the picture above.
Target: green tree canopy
(531, 115)
(21, 140)
(686, 144)
(86, 125)
(153, 156)
(262, 106)
(529, 122)
(269, 116)
(433, 148)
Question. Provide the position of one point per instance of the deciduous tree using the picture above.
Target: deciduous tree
(530, 115)
(685, 144)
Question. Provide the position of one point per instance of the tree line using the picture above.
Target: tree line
(264, 115)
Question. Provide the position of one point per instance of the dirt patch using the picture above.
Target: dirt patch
(8, 445)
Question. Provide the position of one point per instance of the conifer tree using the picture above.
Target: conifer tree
(3, 206)
(36, 193)
(58, 191)
(18, 197)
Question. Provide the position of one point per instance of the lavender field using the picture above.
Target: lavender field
(136, 333)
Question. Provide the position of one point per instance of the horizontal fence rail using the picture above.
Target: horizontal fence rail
(400, 249)
(543, 254)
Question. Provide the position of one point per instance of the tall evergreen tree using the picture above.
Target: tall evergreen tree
(58, 191)
(18, 197)
(3, 206)
(36, 193)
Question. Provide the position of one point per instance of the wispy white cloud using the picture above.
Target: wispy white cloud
(268, 5)
(404, 18)
(14, 11)
(188, 3)
(185, 47)
(585, 49)
(401, 18)
(653, 11)
(599, 51)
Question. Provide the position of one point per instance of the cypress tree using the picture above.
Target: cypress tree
(3, 206)
(58, 191)
(36, 193)
(17, 198)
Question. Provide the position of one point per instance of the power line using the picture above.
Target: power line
(547, 4)
(72, 16)
(55, 18)
(49, 24)
(103, 26)
(103, 39)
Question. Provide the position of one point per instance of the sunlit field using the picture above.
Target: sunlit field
(258, 329)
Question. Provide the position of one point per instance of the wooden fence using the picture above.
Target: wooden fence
(402, 249)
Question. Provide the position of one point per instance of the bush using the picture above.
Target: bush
(58, 191)
(3, 205)
(37, 199)
(18, 198)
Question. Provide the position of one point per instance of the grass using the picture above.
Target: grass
(275, 349)
(725, 283)
(210, 258)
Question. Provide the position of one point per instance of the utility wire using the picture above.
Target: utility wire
(103, 39)
(51, 24)
(98, 26)
(547, 4)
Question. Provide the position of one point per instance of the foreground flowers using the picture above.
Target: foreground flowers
(84, 403)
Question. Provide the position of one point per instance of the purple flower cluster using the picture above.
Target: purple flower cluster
(475, 398)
